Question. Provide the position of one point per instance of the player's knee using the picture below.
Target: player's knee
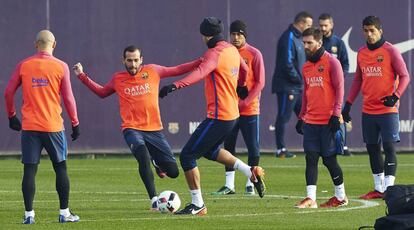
(330, 161)
(171, 169)
(187, 161)
(312, 158)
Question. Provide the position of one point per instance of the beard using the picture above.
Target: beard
(131, 70)
(309, 53)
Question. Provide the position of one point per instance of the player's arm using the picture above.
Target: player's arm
(356, 85)
(14, 83)
(207, 65)
(337, 79)
(259, 77)
(68, 98)
(164, 71)
(288, 56)
(101, 91)
(400, 68)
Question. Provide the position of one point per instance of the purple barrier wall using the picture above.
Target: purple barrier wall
(95, 32)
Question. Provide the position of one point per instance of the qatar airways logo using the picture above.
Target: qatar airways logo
(39, 82)
(372, 71)
(314, 81)
(138, 90)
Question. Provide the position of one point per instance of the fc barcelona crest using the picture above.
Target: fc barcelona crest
(173, 127)
(321, 68)
(380, 58)
(334, 49)
(144, 75)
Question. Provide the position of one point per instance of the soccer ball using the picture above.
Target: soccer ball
(168, 202)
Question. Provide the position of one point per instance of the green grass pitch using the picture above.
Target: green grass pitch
(107, 193)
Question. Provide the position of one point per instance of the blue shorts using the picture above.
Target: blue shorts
(249, 127)
(205, 141)
(320, 139)
(157, 144)
(379, 127)
(33, 143)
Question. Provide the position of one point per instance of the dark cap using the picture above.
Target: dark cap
(211, 26)
(238, 26)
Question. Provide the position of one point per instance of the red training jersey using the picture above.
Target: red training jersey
(323, 90)
(223, 69)
(138, 94)
(380, 72)
(255, 80)
(44, 79)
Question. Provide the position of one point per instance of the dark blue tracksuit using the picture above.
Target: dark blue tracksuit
(336, 46)
(287, 80)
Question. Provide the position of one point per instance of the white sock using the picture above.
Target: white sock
(311, 192)
(389, 181)
(196, 197)
(64, 212)
(243, 167)
(249, 183)
(280, 150)
(155, 198)
(230, 179)
(340, 191)
(29, 213)
(379, 181)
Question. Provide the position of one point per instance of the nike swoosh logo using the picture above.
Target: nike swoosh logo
(352, 55)
(194, 212)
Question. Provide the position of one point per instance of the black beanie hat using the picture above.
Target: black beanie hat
(238, 26)
(211, 26)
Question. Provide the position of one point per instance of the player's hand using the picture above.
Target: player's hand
(299, 127)
(14, 123)
(78, 68)
(75, 132)
(390, 101)
(164, 91)
(334, 123)
(242, 92)
(345, 112)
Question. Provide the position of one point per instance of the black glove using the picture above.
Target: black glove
(164, 91)
(299, 127)
(14, 123)
(75, 132)
(345, 112)
(390, 101)
(242, 92)
(334, 123)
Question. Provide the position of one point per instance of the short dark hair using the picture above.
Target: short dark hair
(315, 32)
(372, 21)
(325, 16)
(132, 48)
(302, 16)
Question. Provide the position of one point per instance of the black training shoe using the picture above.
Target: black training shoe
(192, 209)
(284, 153)
(257, 179)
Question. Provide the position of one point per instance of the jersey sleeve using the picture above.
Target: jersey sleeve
(400, 69)
(259, 77)
(337, 79)
(12, 86)
(101, 91)
(207, 65)
(164, 71)
(68, 98)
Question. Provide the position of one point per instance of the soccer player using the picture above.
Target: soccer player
(249, 108)
(334, 45)
(321, 115)
(287, 81)
(44, 80)
(223, 70)
(382, 78)
(137, 90)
